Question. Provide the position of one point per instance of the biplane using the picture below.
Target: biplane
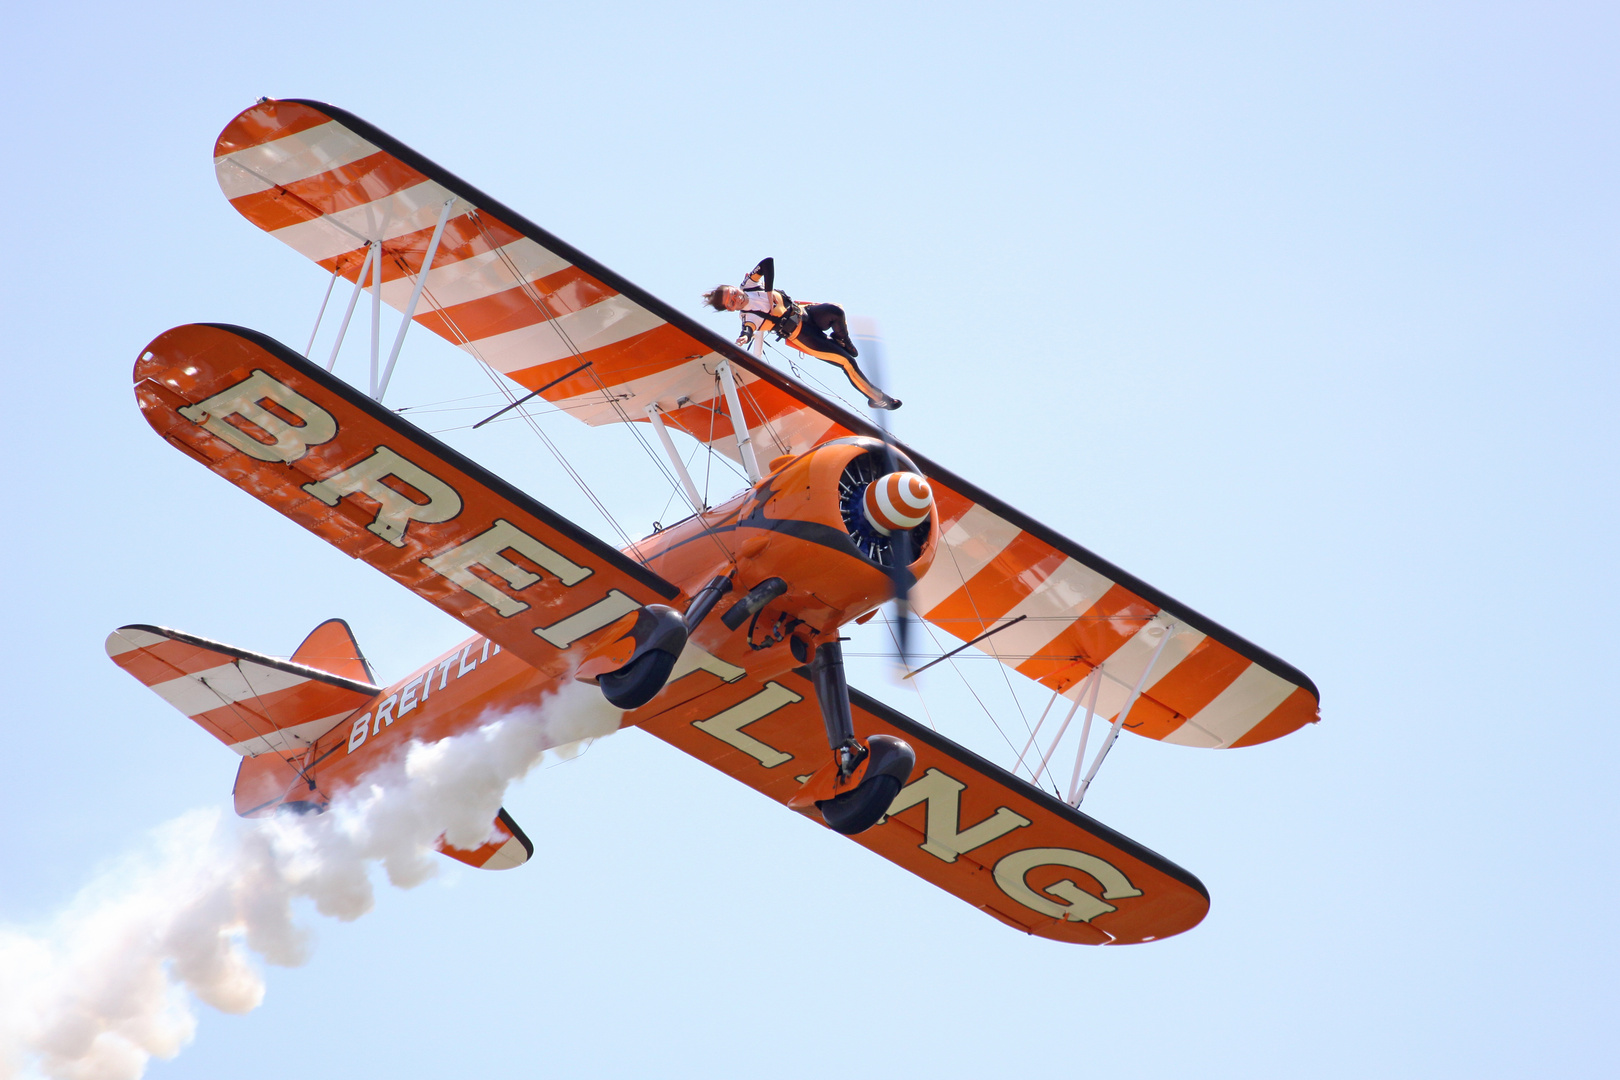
(719, 634)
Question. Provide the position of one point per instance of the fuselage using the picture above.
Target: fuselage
(800, 523)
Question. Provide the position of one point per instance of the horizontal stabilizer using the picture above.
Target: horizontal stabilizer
(254, 704)
(507, 847)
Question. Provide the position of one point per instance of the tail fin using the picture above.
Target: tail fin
(254, 704)
(331, 647)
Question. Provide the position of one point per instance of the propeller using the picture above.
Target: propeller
(865, 332)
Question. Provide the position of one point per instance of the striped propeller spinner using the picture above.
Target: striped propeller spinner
(897, 501)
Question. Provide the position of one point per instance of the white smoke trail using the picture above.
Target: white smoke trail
(109, 984)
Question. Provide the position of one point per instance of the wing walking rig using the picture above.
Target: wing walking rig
(719, 634)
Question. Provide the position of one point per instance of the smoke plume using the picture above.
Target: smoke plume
(109, 984)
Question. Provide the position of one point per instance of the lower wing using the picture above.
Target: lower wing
(964, 824)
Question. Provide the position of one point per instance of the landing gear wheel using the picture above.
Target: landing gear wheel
(858, 810)
(887, 770)
(638, 682)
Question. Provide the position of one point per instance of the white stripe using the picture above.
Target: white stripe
(1070, 589)
(120, 642)
(510, 854)
(411, 210)
(966, 547)
(289, 159)
(483, 275)
(604, 323)
(912, 499)
(1121, 670)
(225, 684)
(1235, 710)
(297, 737)
(1125, 666)
(900, 516)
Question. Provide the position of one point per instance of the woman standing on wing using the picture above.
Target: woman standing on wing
(817, 330)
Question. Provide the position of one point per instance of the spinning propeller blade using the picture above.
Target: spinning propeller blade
(865, 332)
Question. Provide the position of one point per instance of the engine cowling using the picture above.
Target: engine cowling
(805, 523)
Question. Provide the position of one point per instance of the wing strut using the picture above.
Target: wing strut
(1078, 794)
(354, 298)
(416, 295)
(739, 422)
(376, 312)
(1088, 694)
(321, 314)
(655, 414)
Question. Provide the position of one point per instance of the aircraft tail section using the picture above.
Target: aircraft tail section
(271, 711)
(506, 848)
(253, 703)
(332, 648)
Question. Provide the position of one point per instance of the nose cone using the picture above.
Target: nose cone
(898, 501)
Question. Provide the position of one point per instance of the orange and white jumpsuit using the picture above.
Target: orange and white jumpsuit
(817, 330)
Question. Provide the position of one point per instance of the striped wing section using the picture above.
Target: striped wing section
(528, 305)
(252, 703)
(1009, 849)
(1065, 611)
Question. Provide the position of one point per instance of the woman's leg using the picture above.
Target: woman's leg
(812, 339)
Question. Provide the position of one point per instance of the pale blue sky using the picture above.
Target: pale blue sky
(1305, 314)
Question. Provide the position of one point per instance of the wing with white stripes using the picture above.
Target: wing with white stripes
(1059, 613)
(331, 186)
(252, 703)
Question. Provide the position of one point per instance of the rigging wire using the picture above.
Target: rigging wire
(894, 636)
(554, 321)
(506, 392)
(991, 650)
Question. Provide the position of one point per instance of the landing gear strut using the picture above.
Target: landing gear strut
(862, 779)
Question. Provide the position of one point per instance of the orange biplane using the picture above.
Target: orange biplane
(719, 634)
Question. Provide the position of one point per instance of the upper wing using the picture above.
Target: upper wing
(387, 493)
(962, 823)
(531, 306)
(1064, 611)
(328, 184)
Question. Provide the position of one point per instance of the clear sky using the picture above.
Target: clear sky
(1305, 314)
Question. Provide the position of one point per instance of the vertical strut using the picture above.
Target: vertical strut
(354, 298)
(1085, 733)
(1119, 721)
(1095, 674)
(739, 422)
(321, 314)
(655, 414)
(416, 295)
(376, 314)
(1025, 751)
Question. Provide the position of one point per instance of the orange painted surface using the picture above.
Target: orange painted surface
(512, 309)
(343, 188)
(980, 834)
(331, 647)
(267, 121)
(542, 594)
(463, 239)
(1298, 710)
(193, 363)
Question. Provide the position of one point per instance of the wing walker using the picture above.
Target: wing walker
(719, 634)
